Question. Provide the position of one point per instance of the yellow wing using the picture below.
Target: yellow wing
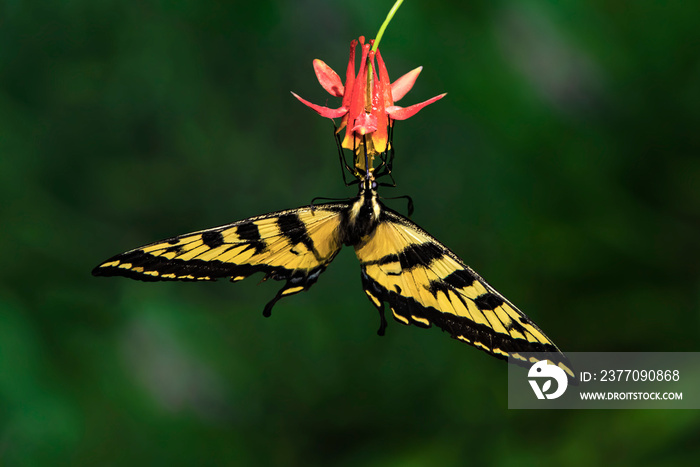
(425, 283)
(294, 245)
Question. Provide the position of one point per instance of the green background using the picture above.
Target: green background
(563, 166)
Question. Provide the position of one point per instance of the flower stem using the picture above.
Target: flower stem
(386, 23)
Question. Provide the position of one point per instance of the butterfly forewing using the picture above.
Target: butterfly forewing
(425, 283)
(294, 245)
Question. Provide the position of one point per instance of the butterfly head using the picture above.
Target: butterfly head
(368, 183)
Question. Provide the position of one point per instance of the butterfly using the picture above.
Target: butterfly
(423, 282)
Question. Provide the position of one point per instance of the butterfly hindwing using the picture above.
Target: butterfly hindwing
(426, 284)
(294, 245)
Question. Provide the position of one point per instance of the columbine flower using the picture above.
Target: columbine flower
(368, 100)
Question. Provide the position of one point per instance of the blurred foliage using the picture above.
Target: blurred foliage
(563, 166)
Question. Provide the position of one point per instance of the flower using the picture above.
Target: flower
(368, 100)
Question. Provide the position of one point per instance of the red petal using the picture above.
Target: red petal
(381, 99)
(365, 123)
(328, 78)
(357, 103)
(381, 134)
(350, 75)
(401, 86)
(382, 84)
(402, 113)
(323, 111)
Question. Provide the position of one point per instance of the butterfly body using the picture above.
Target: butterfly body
(423, 281)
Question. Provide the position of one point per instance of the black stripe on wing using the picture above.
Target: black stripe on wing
(426, 284)
(295, 245)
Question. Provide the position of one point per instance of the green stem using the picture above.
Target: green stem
(385, 24)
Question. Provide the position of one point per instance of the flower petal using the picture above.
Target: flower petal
(357, 102)
(381, 99)
(359, 90)
(350, 75)
(383, 84)
(323, 111)
(401, 86)
(365, 123)
(328, 78)
(402, 113)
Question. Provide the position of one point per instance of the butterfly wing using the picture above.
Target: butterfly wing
(294, 245)
(425, 283)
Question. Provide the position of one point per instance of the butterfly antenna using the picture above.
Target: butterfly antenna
(313, 201)
(410, 203)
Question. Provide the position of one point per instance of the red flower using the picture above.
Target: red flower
(368, 101)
